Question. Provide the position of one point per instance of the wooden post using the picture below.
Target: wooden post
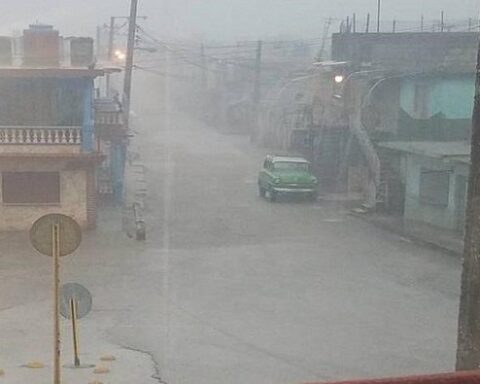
(468, 338)
(127, 82)
(378, 15)
(56, 301)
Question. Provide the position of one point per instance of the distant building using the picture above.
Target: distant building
(380, 98)
(394, 86)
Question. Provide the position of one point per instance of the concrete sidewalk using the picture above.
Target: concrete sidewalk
(26, 324)
(447, 241)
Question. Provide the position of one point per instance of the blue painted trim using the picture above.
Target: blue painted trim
(88, 122)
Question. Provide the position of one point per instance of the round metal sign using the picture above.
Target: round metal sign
(82, 297)
(41, 234)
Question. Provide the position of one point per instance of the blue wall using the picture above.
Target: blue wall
(451, 95)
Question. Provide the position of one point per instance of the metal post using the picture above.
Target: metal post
(378, 15)
(56, 301)
(421, 23)
(127, 83)
(354, 23)
(367, 27)
(394, 26)
(73, 315)
(441, 22)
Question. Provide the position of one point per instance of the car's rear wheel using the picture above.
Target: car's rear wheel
(273, 196)
(261, 191)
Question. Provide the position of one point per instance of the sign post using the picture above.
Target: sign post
(75, 303)
(56, 315)
(73, 314)
(55, 235)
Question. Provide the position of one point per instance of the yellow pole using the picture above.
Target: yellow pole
(73, 315)
(56, 320)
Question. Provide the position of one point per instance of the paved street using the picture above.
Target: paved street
(229, 288)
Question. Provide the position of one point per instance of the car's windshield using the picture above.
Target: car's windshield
(290, 166)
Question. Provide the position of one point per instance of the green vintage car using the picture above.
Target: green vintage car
(286, 175)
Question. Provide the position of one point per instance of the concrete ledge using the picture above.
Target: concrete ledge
(447, 241)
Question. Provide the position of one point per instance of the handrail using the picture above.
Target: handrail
(49, 135)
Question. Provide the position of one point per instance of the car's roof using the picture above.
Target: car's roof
(287, 159)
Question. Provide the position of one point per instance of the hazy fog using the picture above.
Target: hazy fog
(226, 19)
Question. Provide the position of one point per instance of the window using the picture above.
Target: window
(291, 166)
(31, 187)
(434, 187)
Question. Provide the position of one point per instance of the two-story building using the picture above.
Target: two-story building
(407, 101)
(48, 147)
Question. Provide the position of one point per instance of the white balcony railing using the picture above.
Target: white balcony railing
(108, 118)
(21, 135)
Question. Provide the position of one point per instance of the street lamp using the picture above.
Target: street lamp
(120, 55)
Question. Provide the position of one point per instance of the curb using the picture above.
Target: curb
(452, 251)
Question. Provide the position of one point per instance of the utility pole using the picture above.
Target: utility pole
(127, 83)
(468, 341)
(326, 29)
(256, 89)
(111, 34)
(378, 16)
(99, 33)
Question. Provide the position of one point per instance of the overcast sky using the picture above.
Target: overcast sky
(222, 19)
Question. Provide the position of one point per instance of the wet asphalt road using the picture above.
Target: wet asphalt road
(230, 288)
